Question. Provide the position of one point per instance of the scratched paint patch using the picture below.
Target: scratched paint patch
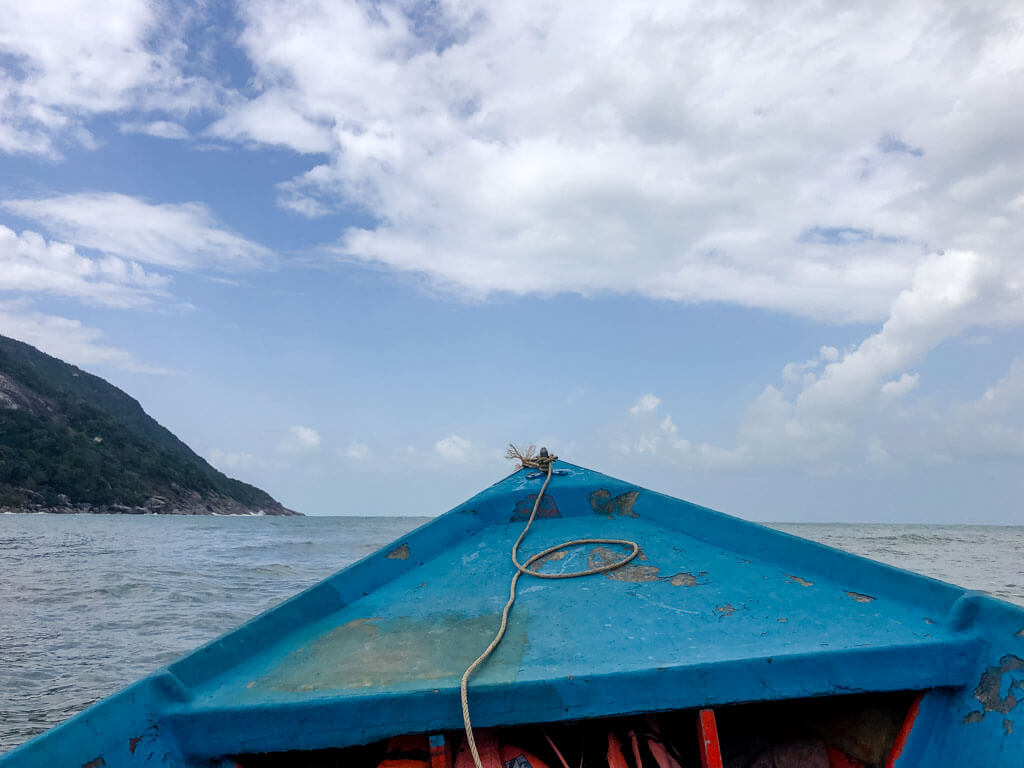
(860, 598)
(687, 579)
(602, 502)
(402, 651)
(990, 686)
(548, 507)
(798, 580)
(399, 553)
(146, 739)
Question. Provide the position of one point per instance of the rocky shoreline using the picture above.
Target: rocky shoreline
(181, 504)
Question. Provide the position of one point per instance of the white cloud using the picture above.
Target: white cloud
(991, 426)
(950, 292)
(755, 155)
(295, 201)
(230, 462)
(357, 451)
(824, 423)
(645, 404)
(14, 140)
(66, 339)
(161, 129)
(877, 453)
(1006, 392)
(300, 440)
(70, 59)
(664, 440)
(796, 373)
(639, 444)
(455, 449)
(28, 263)
(177, 236)
(272, 119)
(900, 386)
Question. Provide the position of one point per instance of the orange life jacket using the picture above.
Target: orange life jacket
(407, 752)
(493, 754)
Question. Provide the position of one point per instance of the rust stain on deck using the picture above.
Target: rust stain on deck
(555, 556)
(798, 580)
(602, 503)
(860, 598)
(399, 553)
(599, 556)
(638, 574)
(524, 507)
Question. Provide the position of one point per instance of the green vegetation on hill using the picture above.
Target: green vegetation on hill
(73, 434)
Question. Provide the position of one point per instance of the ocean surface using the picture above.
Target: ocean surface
(89, 604)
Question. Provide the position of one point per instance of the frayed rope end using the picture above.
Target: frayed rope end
(528, 456)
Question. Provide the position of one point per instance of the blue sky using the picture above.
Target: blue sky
(767, 260)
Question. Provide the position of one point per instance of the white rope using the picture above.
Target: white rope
(544, 462)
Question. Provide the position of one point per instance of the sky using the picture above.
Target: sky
(768, 259)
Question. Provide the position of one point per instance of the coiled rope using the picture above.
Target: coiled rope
(542, 462)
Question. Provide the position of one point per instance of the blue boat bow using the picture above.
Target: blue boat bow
(714, 612)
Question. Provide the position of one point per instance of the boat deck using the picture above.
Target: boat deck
(690, 622)
(681, 604)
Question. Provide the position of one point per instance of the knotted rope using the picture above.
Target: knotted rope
(543, 462)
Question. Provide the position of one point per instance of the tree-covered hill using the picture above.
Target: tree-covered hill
(70, 441)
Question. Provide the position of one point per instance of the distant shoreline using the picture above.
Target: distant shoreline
(139, 511)
(188, 504)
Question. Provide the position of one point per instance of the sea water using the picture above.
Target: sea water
(89, 604)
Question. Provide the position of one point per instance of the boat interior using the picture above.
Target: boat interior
(851, 731)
